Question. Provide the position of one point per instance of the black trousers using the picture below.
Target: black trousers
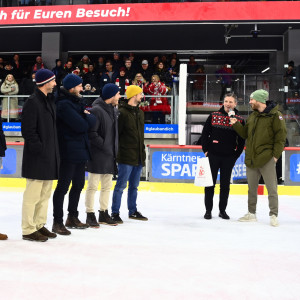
(68, 172)
(225, 165)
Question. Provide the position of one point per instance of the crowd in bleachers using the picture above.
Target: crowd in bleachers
(155, 75)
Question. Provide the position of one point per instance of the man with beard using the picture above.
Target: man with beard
(73, 124)
(265, 134)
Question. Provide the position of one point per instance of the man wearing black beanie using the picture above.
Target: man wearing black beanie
(73, 123)
(40, 157)
(104, 148)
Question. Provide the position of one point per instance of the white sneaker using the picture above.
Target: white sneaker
(248, 218)
(274, 221)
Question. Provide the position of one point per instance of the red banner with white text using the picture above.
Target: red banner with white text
(152, 12)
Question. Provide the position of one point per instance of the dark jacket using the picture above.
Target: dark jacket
(72, 127)
(218, 136)
(2, 141)
(104, 79)
(266, 135)
(40, 154)
(103, 137)
(131, 136)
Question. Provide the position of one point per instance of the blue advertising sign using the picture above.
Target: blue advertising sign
(175, 165)
(161, 128)
(182, 165)
(9, 163)
(295, 167)
(15, 126)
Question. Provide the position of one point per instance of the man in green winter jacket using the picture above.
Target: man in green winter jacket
(265, 134)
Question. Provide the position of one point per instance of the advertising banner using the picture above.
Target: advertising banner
(9, 162)
(161, 128)
(295, 168)
(168, 165)
(151, 12)
(15, 126)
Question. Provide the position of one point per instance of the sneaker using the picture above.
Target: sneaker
(74, 222)
(207, 215)
(248, 218)
(223, 215)
(44, 231)
(138, 216)
(116, 218)
(60, 228)
(35, 237)
(104, 218)
(91, 220)
(274, 221)
(3, 237)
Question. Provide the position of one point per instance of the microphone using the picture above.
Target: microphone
(231, 113)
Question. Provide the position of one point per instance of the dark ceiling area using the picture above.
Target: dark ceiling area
(205, 41)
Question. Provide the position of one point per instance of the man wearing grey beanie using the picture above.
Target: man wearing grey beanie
(265, 132)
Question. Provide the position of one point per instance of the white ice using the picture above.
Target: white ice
(175, 255)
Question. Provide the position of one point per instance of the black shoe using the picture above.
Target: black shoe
(138, 216)
(91, 220)
(35, 237)
(207, 215)
(223, 215)
(116, 218)
(44, 231)
(104, 218)
(60, 228)
(73, 222)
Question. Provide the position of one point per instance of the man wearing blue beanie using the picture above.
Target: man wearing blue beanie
(40, 157)
(73, 124)
(104, 148)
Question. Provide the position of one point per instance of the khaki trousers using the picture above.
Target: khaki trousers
(92, 187)
(35, 205)
(268, 172)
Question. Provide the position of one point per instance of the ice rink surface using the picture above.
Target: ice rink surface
(175, 255)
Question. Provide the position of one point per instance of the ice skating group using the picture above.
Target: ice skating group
(62, 139)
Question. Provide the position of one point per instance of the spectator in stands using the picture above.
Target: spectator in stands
(158, 104)
(83, 65)
(163, 74)
(134, 62)
(2, 154)
(122, 81)
(174, 68)
(58, 70)
(192, 65)
(89, 91)
(68, 69)
(139, 80)
(130, 71)
(226, 80)
(155, 62)
(100, 66)
(104, 149)
(10, 87)
(28, 85)
(164, 59)
(290, 78)
(73, 123)
(109, 76)
(8, 69)
(117, 63)
(38, 64)
(131, 155)
(40, 157)
(222, 145)
(91, 78)
(198, 84)
(18, 68)
(146, 71)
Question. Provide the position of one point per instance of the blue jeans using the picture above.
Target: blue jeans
(131, 174)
